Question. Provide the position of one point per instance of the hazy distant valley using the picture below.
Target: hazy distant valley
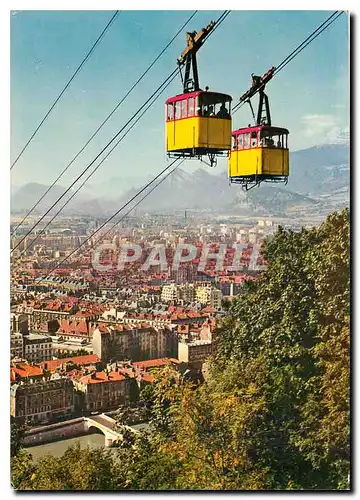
(319, 183)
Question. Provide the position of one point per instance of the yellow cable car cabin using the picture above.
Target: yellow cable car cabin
(259, 154)
(198, 123)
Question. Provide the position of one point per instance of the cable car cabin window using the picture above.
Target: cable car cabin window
(222, 110)
(238, 142)
(184, 108)
(170, 111)
(267, 140)
(282, 141)
(279, 141)
(177, 110)
(253, 139)
(235, 142)
(273, 139)
(246, 141)
(215, 105)
(191, 108)
(208, 110)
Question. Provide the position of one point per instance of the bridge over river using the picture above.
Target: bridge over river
(106, 425)
(75, 428)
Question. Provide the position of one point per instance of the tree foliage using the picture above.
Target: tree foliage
(17, 432)
(77, 469)
(273, 413)
(71, 354)
(296, 318)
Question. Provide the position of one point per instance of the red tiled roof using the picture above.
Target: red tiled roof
(127, 371)
(75, 328)
(209, 309)
(102, 377)
(53, 364)
(146, 377)
(25, 370)
(152, 363)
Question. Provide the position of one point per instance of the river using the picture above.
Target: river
(58, 448)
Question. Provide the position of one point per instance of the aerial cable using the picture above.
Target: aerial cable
(299, 49)
(97, 166)
(306, 39)
(66, 86)
(94, 160)
(113, 216)
(220, 20)
(298, 52)
(138, 202)
(103, 123)
(170, 77)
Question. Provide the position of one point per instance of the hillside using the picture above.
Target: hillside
(320, 169)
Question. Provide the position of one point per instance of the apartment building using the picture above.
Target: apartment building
(16, 345)
(194, 353)
(170, 293)
(42, 401)
(137, 341)
(187, 292)
(184, 292)
(209, 296)
(37, 348)
(102, 390)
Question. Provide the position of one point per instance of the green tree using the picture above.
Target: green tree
(295, 318)
(161, 398)
(17, 433)
(87, 469)
(79, 352)
(22, 470)
(325, 427)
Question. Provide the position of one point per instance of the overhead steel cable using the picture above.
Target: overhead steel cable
(299, 49)
(221, 19)
(307, 39)
(102, 34)
(93, 161)
(170, 77)
(113, 216)
(97, 166)
(298, 52)
(139, 201)
(104, 122)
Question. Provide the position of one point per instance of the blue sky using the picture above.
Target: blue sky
(310, 96)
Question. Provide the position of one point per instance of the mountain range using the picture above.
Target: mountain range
(319, 181)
